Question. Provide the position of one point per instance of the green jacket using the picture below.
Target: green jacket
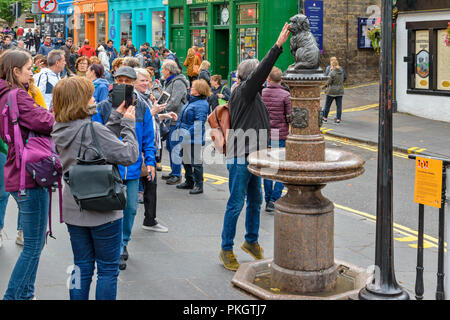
(3, 147)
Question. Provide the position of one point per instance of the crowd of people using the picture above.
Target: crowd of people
(62, 88)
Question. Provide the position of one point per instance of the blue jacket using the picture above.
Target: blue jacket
(144, 133)
(112, 54)
(45, 49)
(101, 89)
(190, 127)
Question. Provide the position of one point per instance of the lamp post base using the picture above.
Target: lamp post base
(395, 294)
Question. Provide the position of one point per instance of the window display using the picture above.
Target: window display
(199, 17)
(125, 27)
(422, 59)
(199, 39)
(101, 27)
(81, 25)
(248, 40)
(248, 14)
(159, 28)
(443, 61)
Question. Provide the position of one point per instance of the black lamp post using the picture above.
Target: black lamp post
(384, 285)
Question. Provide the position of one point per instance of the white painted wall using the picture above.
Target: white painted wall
(426, 106)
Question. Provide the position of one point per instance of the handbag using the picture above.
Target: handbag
(164, 129)
(222, 101)
(95, 184)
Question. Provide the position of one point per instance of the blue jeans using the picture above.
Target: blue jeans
(241, 183)
(273, 193)
(33, 206)
(3, 194)
(130, 211)
(174, 149)
(92, 245)
(328, 103)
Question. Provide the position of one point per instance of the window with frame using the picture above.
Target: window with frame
(428, 58)
(177, 15)
(199, 17)
(248, 13)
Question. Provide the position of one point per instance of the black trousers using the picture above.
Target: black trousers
(193, 164)
(149, 201)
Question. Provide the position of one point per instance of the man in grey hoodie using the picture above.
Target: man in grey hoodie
(177, 86)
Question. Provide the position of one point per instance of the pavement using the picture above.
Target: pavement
(411, 134)
(183, 264)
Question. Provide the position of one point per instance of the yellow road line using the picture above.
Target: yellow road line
(362, 108)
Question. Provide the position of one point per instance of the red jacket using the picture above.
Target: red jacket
(87, 51)
(278, 102)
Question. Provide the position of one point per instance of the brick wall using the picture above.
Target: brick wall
(340, 39)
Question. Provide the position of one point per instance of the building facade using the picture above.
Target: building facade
(91, 21)
(228, 30)
(422, 62)
(139, 20)
(65, 8)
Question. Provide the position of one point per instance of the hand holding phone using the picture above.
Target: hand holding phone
(165, 96)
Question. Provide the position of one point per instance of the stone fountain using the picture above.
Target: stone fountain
(303, 266)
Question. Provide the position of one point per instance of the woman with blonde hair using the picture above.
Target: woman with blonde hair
(335, 91)
(204, 72)
(192, 63)
(95, 236)
(192, 120)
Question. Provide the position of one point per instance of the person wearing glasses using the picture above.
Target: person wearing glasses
(46, 47)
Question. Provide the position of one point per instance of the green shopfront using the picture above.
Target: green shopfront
(228, 30)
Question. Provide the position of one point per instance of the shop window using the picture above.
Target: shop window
(159, 29)
(199, 17)
(248, 13)
(91, 16)
(101, 27)
(247, 41)
(428, 58)
(125, 27)
(177, 16)
(81, 24)
(199, 39)
(223, 15)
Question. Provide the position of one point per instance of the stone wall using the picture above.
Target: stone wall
(340, 39)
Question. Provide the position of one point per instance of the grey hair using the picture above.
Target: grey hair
(246, 67)
(142, 72)
(54, 56)
(131, 62)
(171, 66)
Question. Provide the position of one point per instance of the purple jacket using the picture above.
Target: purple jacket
(278, 102)
(31, 117)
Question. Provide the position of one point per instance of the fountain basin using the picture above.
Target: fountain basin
(338, 165)
(254, 277)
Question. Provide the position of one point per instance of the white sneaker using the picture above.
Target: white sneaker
(19, 238)
(1, 238)
(157, 228)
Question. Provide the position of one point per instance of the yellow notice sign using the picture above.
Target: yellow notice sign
(428, 183)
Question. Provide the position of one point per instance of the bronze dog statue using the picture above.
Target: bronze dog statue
(304, 46)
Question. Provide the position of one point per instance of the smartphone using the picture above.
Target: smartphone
(164, 98)
(121, 93)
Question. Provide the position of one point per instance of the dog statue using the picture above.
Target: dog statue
(304, 46)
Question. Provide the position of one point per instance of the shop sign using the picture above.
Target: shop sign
(428, 182)
(201, 1)
(314, 12)
(88, 8)
(418, 5)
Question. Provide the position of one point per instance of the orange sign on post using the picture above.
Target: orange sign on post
(428, 182)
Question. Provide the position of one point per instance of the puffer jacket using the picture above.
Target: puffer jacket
(278, 102)
(335, 86)
(190, 127)
(31, 118)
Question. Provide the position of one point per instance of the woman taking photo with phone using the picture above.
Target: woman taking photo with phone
(33, 202)
(95, 236)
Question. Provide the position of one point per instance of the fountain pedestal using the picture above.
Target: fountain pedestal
(303, 266)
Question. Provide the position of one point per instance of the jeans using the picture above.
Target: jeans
(150, 201)
(33, 207)
(273, 193)
(241, 183)
(90, 245)
(4, 196)
(328, 103)
(174, 149)
(130, 211)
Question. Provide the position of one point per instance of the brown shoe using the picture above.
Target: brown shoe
(229, 260)
(253, 249)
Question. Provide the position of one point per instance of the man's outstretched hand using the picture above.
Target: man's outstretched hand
(284, 35)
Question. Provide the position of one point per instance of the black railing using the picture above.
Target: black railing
(419, 288)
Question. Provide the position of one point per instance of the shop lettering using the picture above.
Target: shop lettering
(202, 1)
(89, 7)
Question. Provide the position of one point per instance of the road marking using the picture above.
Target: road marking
(362, 108)
(410, 234)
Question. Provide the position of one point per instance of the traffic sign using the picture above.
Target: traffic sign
(428, 182)
(47, 6)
